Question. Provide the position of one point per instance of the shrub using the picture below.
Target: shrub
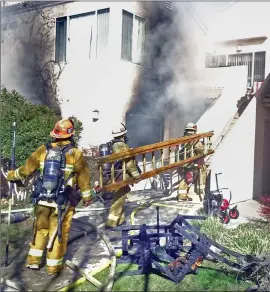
(34, 123)
(265, 207)
(252, 238)
(248, 238)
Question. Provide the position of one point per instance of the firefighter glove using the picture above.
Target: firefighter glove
(11, 175)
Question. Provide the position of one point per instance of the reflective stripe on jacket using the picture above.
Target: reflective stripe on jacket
(75, 162)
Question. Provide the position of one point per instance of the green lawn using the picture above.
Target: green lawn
(208, 279)
(19, 234)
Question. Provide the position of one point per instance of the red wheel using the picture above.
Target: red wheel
(234, 213)
(224, 205)
(226, 219)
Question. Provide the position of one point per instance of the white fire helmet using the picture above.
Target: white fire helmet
(191, 127)
(119, 130)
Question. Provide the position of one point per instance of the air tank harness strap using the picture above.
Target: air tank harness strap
(64, 200)
(61, 200)
(34, 224)
(60, 211)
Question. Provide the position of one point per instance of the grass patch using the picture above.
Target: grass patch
(251, 238)
(208, 279)
(20, 233)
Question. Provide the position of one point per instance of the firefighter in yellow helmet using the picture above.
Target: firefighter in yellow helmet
(119, 144)
(62, 170)
(190, 171)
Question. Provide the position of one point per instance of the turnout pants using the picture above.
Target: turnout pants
(46, 222)
(201, 181)
(199, 175)
(116, 214)
(183, 188)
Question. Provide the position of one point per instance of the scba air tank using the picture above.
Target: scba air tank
(51, 171)
(104, 150)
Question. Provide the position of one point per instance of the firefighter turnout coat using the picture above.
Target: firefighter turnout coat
(116, 214)
(46, 212)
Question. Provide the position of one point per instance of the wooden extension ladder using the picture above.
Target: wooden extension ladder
(171, 154)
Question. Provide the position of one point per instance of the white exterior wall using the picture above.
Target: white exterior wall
(242, 20)
(235, 158)
(219, 115)
(233, 79)
(103, 84)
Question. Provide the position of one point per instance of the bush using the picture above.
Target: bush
(249, 238)
(34, 123)
(265, 207)
(252, 238)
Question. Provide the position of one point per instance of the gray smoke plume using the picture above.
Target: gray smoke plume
(168, 86)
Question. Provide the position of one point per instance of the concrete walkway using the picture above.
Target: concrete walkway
(248, 210)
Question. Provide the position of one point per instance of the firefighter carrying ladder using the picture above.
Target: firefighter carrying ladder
(171, 155)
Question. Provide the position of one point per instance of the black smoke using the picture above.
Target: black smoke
(167, 84)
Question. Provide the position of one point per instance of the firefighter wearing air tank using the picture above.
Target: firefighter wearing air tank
(189, 172)
(119, 144)
(63, 171)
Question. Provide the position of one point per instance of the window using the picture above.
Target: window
(259, 66)
(133, 36)
(256, 64)
(102, 31)
(81, 37)
(214, 61)
(61, 40)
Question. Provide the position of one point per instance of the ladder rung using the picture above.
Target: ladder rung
(169, 157)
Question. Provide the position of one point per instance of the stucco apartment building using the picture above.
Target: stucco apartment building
(93, 52)
(244, 40)
(92, 55)
(96, 60)
(240, 39)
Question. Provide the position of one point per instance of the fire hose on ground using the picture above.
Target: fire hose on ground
(112, 262)
(108, 285)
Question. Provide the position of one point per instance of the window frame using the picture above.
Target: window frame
(94, 53)
(96, 36)
(66, 18)
(251, 78)
(134, 15)
(94, 27)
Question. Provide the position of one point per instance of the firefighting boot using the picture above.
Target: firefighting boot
(32, 267)
(183, 197)
(112, 227)
(56, 272)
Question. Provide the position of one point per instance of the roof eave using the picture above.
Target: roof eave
(242, 41)
(30, 5)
